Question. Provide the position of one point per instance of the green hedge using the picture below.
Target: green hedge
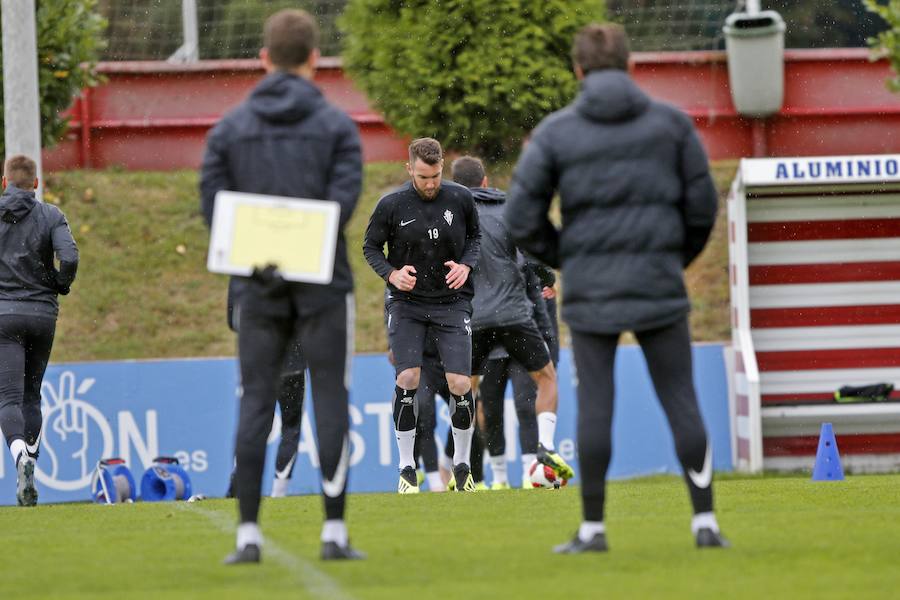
(476, 74)
(888, 42)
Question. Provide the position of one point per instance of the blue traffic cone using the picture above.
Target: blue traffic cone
(828, 461)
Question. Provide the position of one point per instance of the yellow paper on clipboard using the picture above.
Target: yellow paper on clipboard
(297, 235)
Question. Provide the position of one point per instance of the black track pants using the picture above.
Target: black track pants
(668, 354)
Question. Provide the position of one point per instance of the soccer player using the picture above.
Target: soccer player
(638, 205)
(432, 236)
(502, 312)
(287, 140)
(32, 235)
(500, 369)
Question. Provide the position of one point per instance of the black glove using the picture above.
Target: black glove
(269, 281)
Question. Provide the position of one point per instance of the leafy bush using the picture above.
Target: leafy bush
(477, 75)
(887, 42)
(69, 39)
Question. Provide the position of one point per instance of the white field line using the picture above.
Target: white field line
(316, 582)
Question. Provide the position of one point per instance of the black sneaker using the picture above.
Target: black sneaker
(26, 493)
(707, 538)
(576, 546)
(334, 551)
(462, 475)
(248, 554)
(409, 481)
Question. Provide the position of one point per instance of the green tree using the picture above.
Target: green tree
(477, 75)
(887, 43)
(69, 39)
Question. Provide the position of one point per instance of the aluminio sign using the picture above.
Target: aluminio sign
(138, 410)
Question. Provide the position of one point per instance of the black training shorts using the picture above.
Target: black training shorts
(522, 341)
(411, 322)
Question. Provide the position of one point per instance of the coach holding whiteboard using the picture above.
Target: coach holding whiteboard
(287, 140)
(638, 205)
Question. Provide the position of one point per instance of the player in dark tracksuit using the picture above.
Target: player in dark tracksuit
(638, 205)
(32, 236)
(502, 312)
(500, 369)
(432, 236)
(287, 140)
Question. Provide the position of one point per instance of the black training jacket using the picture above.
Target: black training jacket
(287, 140)
(32, 233)
(424, 234)
(637, 204)
(500, 295)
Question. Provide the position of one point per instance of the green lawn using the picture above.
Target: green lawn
(792, 539)
(143, 290)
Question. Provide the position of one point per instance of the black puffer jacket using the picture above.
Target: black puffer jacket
(287, 140)
(31, 234)
(638, 204)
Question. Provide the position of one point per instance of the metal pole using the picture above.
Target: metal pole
(753, 7)
(189, 51)
(191, 34)
(21, 103)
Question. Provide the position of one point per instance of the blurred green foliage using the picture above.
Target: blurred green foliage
(477, 75)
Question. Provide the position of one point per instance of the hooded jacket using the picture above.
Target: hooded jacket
(32, 233)
(637, 204)
(500, 298)
(287, 140)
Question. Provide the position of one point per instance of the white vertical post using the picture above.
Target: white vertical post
(21, 103)
(189, 51)
(753, 7)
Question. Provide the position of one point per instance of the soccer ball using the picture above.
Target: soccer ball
(542, 476)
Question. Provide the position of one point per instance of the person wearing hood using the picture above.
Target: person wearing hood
(287, 140)
(32, 236)
(503, 314)
(638, 205)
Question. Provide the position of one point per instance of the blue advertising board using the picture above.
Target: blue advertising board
(138, 410)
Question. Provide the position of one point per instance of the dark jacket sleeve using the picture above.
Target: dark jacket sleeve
(534, 288)
(545, 274)
(376, 237)
(533, 186)
(345, 178)
(700, 199)
(214, 173)
(472, 249)
(66, 253)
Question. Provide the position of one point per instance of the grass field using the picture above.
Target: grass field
(792, 539)
(143, 290)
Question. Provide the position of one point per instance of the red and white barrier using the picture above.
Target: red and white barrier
(815, 293)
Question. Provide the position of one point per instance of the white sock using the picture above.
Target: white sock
(527, 459)
(17, 447)
(547, 429)
(444, 462)
(334, 530)
(462, 445)
(705, 520)
(280, 487)
(589, 529)
(435, 483)
(248, 533)
(498, 468)
(406, 442)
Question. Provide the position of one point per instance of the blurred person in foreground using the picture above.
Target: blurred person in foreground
(33, 235)
(287, 140)
(638, 205)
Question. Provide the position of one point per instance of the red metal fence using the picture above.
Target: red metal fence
(152, 115)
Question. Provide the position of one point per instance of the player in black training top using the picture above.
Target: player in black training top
(431, 231)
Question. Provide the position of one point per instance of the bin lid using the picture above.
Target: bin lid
(741, 24)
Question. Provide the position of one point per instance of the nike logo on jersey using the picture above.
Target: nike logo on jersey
(405, 223)
(704, 477)
(466, 321)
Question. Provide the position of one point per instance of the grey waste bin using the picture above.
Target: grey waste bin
(755, 47)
